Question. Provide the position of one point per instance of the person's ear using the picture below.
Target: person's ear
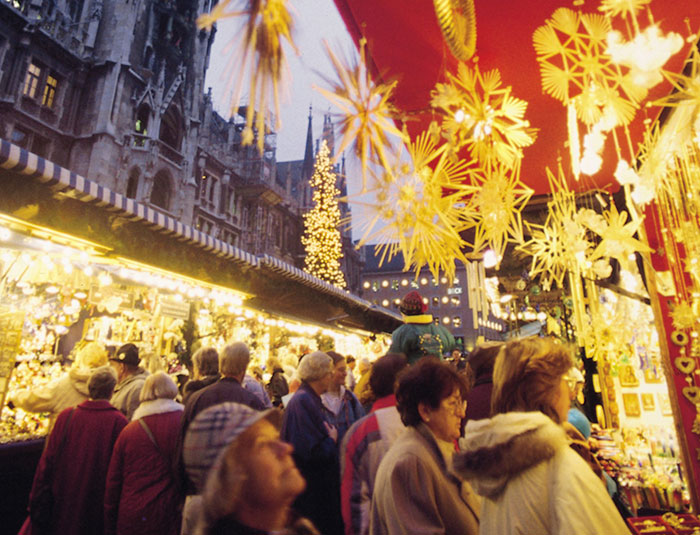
(425, 412)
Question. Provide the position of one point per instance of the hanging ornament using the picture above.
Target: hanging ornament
(366, 121)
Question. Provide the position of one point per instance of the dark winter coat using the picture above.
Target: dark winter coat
(316, 456)
(277, 387)
(77, 469)
(142, 494)
(479, 399)
(405, 339)
(194, 385)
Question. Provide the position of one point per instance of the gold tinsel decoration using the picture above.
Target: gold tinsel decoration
(482, 114)
(457, 20)
(366, 121)
(257, 54)
(416, 209)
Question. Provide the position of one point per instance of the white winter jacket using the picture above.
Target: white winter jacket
(532, 482)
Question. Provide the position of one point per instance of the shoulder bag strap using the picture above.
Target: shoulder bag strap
(150, 435)
(170, 462)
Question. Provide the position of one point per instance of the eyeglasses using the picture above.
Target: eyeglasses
(456, 404)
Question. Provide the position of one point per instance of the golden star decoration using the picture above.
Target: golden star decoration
(416, 209)
(575, 68)
(482, 114)
(623, 7)
(257, 54)
(561, 243)
(367, 119)
(495, 198)
(683, 316)
(617, 237)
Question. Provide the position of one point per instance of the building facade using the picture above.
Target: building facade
(113, 90)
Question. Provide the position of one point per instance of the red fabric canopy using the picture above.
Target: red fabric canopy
(404, 42)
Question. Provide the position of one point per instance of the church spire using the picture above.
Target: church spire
(307, 169)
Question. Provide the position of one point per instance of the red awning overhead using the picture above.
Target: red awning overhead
(404, 42)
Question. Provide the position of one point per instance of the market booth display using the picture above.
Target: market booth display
(477, 99)
(77, 264)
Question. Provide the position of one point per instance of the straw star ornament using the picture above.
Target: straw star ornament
(256, 53)
(416, 209)
(495, 199)
(482, 114)
(366, 121)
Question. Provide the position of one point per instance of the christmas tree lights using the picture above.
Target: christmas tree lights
(321, 237)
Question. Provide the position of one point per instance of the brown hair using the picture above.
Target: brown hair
(527, 375)
(429, 381)
(481, 361)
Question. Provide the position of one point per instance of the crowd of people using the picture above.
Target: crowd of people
(412, 446)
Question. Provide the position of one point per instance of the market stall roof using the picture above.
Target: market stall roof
(81, 207)
(405, 43)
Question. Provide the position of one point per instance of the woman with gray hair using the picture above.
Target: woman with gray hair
(73, 468)
(307, 426)
(143, 495)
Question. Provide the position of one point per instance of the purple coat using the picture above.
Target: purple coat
(78, 471)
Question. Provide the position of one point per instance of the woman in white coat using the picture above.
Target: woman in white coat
(520, 461)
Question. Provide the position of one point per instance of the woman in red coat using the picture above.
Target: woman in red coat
(75, 462)
(143, 495)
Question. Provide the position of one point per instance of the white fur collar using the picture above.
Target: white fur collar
(156, 406)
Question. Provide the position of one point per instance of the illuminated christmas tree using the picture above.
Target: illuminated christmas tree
(321, 237)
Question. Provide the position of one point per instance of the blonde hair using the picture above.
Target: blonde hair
(158, 386)
(527, 374)
(92, 355)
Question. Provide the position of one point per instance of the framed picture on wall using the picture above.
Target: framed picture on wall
(627, 376)
(648, 402)
(631, 404)
(652, 375)
(665, 404)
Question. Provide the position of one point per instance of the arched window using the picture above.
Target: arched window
(132, 185)
(142, 116)
(170, 128)
(160, 194)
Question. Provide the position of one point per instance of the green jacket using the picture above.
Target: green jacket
(405, 339)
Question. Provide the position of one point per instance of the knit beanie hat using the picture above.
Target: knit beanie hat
(212, 431)
(412, 304)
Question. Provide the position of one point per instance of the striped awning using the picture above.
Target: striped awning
(294, 273)
(15, 158)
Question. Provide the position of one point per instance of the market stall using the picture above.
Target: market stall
(619, 225)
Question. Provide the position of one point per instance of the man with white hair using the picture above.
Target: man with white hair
(233, 363)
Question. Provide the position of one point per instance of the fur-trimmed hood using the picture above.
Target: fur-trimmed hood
(497, 449)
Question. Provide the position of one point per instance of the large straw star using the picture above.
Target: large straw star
(482, 114)
(367, 119)
(496, 197)
(257, 54)
(416, 209)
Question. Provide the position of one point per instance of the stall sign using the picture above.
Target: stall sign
(171, 308)
(457, 290)
(10, 336)
(111, 299)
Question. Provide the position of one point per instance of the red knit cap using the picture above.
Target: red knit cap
(412, 304)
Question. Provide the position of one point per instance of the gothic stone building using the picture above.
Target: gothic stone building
(113, 91)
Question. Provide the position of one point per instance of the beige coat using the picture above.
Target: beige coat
(415, 494)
